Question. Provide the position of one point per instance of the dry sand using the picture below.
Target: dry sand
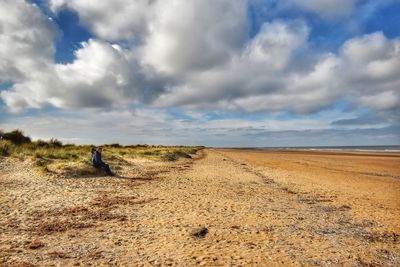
(260, 209)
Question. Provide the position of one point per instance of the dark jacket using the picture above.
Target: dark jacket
(96, 159)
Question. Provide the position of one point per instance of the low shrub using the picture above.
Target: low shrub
(17, 137)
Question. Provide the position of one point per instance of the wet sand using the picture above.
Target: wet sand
(259, 208)
(369, 182)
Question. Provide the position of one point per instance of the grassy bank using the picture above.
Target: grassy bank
(53, 156)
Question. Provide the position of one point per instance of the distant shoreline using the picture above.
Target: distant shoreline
(372, 149)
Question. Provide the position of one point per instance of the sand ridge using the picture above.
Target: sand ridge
(255, 216)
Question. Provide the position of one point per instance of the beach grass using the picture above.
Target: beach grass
(54, 155)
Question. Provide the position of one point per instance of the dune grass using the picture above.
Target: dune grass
(53, 156)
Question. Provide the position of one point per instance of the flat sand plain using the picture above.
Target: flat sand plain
(260, 208)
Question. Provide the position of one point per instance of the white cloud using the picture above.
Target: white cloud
(366, 68)
(26, 40)
(176, 35)
(371, 70)
(189, 53)
(100, 76)
(196, 34)
(274, 45)
(26, 50)
(256, 70)
(112, 20)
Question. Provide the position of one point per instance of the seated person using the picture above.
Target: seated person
(99, 163)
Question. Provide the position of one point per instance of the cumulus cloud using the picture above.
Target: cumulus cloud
(192, 54)
(192, 35)
(102, 74)
(263, 77)
(371, 70)
(24, 48)
(112, 20)
(265, 59)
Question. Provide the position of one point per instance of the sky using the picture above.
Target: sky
(224, 73)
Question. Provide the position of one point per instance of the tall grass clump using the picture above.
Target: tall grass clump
(52, 143)
(55, 143)
(5, 148)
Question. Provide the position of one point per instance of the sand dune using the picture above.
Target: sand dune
(259, 209)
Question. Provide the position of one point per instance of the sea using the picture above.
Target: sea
(382, 149)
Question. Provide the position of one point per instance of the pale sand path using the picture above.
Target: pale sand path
(148, 217)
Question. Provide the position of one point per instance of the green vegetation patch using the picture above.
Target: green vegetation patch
(75, 160)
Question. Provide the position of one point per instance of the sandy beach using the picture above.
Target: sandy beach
(248, 208)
